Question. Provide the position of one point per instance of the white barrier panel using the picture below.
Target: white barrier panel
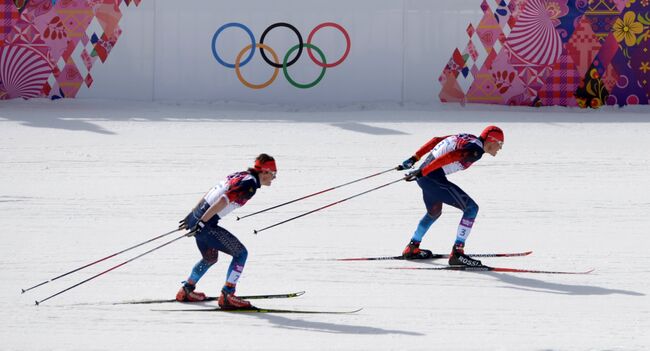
(397, 51)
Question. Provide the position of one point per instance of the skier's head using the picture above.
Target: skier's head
(265, 167)
(492, 137)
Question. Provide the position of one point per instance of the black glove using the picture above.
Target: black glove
(413, 175)
(407, 164)
(194, 230)
(182, 224)
(197, 228)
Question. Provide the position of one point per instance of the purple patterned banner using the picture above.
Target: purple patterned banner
(583, 53)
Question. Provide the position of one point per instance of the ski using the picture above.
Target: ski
(214, 298)
(435, 256)
(491, 269)
(259, 310)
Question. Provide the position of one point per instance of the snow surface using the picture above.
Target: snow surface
(82, 179)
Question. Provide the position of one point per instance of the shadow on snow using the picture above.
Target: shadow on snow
(298, 324)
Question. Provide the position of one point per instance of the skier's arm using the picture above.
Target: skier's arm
(239, 192)
(185, 222)
(214, 209)
(428, 147)
(409, 162)
(451, 157)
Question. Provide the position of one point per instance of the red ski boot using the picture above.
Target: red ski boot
(414, 252)
(187, 294)
(228, 301)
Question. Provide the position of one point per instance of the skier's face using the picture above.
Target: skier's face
(266, 177)
(493, 147)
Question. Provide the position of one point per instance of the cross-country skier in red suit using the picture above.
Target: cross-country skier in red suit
(203, 222)
(447, 155)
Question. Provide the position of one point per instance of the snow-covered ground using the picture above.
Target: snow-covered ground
(83, 179)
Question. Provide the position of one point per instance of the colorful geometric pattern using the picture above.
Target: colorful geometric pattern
(48, 48)
(583, 53)
(560, 84)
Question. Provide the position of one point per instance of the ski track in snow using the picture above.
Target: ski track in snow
(81, 180)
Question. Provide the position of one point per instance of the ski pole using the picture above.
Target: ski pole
(329, 205)
(317, 193)
(110, 269)
(100, 260)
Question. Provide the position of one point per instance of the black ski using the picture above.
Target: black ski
(260, 310)
(491, 269)
(435, 257)
(214, 298)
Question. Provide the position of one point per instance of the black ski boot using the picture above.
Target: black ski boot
(458, 258)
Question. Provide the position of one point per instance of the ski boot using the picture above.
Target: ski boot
(187, 294)
(458, 257)
(228, 301)
(414, 252)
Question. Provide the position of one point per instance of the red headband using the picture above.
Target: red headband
(492, 134)
(268, 166)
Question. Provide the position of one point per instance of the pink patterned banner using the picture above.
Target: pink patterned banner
(48, 47)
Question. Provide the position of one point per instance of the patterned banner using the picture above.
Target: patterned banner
(48, 47)
(554, 52)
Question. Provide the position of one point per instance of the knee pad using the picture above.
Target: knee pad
(435, 211)
(210, 256)
(471, 211)
(242, 256)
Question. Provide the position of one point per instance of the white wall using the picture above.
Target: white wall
(399, 48)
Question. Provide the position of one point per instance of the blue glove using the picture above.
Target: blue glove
(407, 164)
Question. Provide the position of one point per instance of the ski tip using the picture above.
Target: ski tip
(480, 269)
(22, 291)
(36, 302)
(523, 270)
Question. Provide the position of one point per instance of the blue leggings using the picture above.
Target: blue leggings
(435, 192)
(210, 241)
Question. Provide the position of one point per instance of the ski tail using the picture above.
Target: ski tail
(388, 258)
(260, 310)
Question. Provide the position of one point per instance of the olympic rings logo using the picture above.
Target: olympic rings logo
(275, 63)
